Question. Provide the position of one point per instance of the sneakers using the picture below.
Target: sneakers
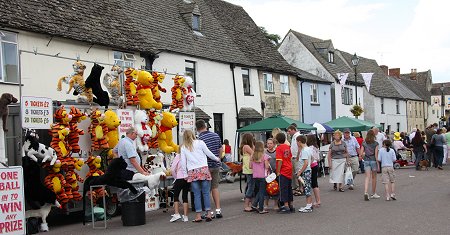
(212, 215)
(393, 196)
(305, 209)
(366, 197)
(351, 187)
(388, 198)
(175, 217)
(284, 210)
(292, 209)
(375, 196)
(184, 218)
(219, 214)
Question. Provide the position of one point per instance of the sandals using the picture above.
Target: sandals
(341, 190)
(263, 212)
(197, 220)
(248, 210)
(208, 219)
(297, 193)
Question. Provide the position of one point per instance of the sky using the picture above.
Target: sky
(405, 34)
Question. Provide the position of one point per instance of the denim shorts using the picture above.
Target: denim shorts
(370, 165)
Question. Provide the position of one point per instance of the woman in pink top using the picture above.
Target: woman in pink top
(180, 184)
(259, 163)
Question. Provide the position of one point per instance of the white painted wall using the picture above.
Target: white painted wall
(296, 54)
(390, 116)
(434, 114)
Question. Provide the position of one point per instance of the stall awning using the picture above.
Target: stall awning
(276, 121)
(249, 113)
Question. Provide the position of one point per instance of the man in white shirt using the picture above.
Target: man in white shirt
(380, 137)
(292, 131)
(353, 151)
(413, 133)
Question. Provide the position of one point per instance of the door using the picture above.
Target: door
(218, 124)
(12, 137)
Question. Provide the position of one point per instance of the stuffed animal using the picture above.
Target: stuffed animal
(152, 180)
(144, 91)
(158, 78)
(112, 122)
(76, 81)
(5, 100)
(155, 164)
(72, 178)
(154, 122)
(93, 82)
(112, 82)
(33, 149)
(131, 76)
(142, 129)
(177, 93)
(189, 95)
(110, 178)
(165, 140)
(75, 132)
(59, 130)
(38, 198)
(98, 130)
(95, 163)
(55, 181)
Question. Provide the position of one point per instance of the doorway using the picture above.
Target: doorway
(218, 124)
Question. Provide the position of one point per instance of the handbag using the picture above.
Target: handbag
(271, 177)
(348, 176)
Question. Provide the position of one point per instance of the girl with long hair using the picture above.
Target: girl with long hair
(369, 152)
(311, 141)
(259, 164)
(246, 149)
(419, 148)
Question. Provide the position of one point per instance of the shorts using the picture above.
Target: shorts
(215, 177)
(307, 178)
(354, 163)
(178, 186)
(387, 174)
(286, 189)
(370, 166)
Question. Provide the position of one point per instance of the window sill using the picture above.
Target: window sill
(10, 83)
(269, 91)
(284, 93)
(249, 95)
(315, 104)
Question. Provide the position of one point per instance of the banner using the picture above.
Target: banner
(447, 102)
(187, 121)
(342, 78)
(126, 117)
(367, 79)
(12, 205)
(37, 112)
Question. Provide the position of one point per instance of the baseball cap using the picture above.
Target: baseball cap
(346, 130)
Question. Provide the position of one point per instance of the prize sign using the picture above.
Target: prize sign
(12, 206)
(126, 117)
(187, 122)
(447, 102)
(37, 112)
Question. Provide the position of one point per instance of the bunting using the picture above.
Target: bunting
(367, 79)
(342, 78)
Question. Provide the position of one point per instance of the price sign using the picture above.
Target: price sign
(447, 101)
(12, 205)
(37, 112)
(187, 122)
(126, 117)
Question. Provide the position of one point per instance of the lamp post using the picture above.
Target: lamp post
(442, 102)
(355, 61)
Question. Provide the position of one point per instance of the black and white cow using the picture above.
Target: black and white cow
(33, 149)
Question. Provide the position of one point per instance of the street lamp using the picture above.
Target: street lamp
(442, 100)
(355, 62)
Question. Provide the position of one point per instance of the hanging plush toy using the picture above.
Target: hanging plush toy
(94, 163)
(142, 129)
(75, 132)
(165, 140)
(112, 82)
(158, 78)
(72, 178)
(154, 122)
(144, 91)
(55, 182)
(189, 94)
(112, 122)
(5, 100)
(131, 77)
(98, 130)
(177, 93)
(76, 81)
(93, 82)
(33, 149)
(59, 130)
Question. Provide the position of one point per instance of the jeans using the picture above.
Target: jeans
(419, 156)
(250, 189)
(438, 156)
(201, 188)
(260, 183)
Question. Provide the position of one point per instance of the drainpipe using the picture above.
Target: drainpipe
(232, 66)
(301, 95)
(149, 59)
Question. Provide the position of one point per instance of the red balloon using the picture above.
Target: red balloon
(272, 188)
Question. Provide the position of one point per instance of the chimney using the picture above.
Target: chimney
(395, 73)
(385, 69)
(413, 74)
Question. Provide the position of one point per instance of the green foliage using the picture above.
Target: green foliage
(356, 110)
(273, 38)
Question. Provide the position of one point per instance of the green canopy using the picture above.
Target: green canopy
(352, 123)
(275, 121)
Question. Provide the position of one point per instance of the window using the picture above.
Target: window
(124, 60)
(420, 110)
(284, 81)
(410, 109)
(415, 107)
(246, 81)
(382, 126)
(268, 82)
(398, 126)
(196, 22)
(190, 71)
(330, 57)
(347, 96)
(9, 57)
(397, 106)
(382, 105)
(314, 92)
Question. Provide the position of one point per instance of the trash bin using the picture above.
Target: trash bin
(133, 205)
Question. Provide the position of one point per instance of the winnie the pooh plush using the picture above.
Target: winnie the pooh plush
(112, 121)
(165, 140)
(189, 94)
(55, 181)
(142, 129)
(144, 91)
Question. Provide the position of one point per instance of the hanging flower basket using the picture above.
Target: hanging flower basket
(356, 110)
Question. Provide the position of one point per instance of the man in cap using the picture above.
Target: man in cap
(353, 150)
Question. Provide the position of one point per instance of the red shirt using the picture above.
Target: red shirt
(227, 149)
(360, 140)
(284, 156)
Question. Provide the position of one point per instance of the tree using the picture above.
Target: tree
(273, 38)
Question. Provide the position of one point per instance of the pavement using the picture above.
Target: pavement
(422, 207)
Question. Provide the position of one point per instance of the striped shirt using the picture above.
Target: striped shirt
(213, 142)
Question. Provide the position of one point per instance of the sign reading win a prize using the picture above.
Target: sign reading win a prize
(37, 112)
(12, 207)
(187, 122)
(126, 117)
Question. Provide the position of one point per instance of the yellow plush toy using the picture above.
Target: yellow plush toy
(144, 91)
(165, 140)
(112, 122)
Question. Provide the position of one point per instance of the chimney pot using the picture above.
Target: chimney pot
(413, 75)
(395, 72)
